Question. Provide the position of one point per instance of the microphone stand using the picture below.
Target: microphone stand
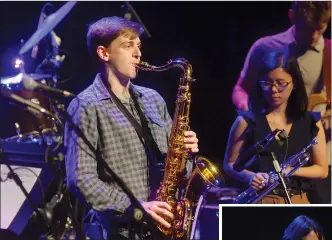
(282, 181)
(131, 9)
(139, 212)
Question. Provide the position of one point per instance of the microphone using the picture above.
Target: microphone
(249, 156)
(30, 84)
(283, 135)
(30, 106)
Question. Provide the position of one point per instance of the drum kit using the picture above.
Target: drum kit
(39, 130)
(31, 126)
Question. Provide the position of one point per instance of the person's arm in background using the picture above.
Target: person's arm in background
(247, 78)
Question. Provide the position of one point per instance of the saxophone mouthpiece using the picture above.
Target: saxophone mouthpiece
(144, 66)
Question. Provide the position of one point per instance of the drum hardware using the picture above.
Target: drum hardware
(18, 131)
(42, 117)
(35, 101)
(70, 233)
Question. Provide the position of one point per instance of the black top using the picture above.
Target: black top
(301, 133)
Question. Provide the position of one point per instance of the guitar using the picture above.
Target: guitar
(317, 103)
(314, 100)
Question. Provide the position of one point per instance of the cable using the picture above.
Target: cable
(286, 151)
(285, 157)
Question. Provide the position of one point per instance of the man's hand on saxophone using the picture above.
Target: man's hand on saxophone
(191, 141)
(157, 210)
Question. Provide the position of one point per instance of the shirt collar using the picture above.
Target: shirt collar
(103, 93)
(319, 46)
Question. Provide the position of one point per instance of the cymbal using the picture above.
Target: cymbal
(47, 26)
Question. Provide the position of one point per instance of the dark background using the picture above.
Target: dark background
(213, 36)
(261, 223)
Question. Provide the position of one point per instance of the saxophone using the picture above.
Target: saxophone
(172, 189)
(251, 195)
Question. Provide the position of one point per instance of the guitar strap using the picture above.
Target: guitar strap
(327, 70)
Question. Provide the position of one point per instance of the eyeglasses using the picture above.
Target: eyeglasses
(281, 86)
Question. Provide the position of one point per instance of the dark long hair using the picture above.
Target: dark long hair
(298, 99)
(300, 227)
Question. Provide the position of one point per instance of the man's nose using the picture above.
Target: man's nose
(137, 53)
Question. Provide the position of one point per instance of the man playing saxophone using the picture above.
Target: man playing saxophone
(115, 44)
(282, 103)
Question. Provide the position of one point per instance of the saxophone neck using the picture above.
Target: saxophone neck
(177, 62)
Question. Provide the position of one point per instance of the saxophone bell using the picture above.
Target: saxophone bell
(204, 176)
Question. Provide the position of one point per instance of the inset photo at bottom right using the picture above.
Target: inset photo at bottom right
(276, 222)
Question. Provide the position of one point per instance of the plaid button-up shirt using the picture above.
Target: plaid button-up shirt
(114, 137)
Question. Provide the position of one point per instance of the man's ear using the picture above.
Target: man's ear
(102, 53)
(291, 15)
